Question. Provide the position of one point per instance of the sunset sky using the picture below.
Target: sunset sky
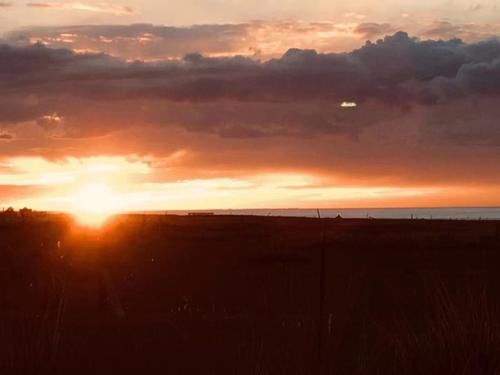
(200, 104)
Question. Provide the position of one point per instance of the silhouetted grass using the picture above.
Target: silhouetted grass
(241, 295)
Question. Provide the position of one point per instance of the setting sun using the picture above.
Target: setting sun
(93, 204)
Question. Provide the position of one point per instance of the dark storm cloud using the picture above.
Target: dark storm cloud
(381, 71)
(297, 94)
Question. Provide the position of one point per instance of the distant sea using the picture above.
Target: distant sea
(468, 213)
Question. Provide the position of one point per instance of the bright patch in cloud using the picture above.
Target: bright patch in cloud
(24, 171)
(355, 15)
(348, 105)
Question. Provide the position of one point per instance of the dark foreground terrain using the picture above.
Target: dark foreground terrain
(250, 295)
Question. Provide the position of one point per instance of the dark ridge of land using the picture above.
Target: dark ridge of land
(249, 295)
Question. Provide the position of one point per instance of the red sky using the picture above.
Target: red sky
(282, 112)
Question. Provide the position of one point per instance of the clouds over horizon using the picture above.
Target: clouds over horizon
(426, 111)
(256, 39)
(397, 71)
(154, 42)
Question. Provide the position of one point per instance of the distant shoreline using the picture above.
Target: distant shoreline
(452, 213)
(442, 213)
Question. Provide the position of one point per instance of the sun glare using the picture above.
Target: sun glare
(93, 204)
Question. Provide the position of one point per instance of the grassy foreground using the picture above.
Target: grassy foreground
(250, 295)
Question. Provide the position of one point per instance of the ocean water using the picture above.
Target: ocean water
(468, 213)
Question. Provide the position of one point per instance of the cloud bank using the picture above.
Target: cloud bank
(258, 39)
(153, 42)
(425, 110)
(395, 73)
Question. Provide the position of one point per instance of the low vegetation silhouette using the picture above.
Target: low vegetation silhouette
(249, 295)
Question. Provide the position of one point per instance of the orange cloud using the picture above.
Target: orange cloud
(96, 187)
(390, 123)
(257, 39)
(115, 9)
(78, 183)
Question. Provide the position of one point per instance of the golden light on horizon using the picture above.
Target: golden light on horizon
(94, 188)
(93, 204)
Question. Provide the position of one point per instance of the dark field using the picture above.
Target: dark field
(250, 295)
